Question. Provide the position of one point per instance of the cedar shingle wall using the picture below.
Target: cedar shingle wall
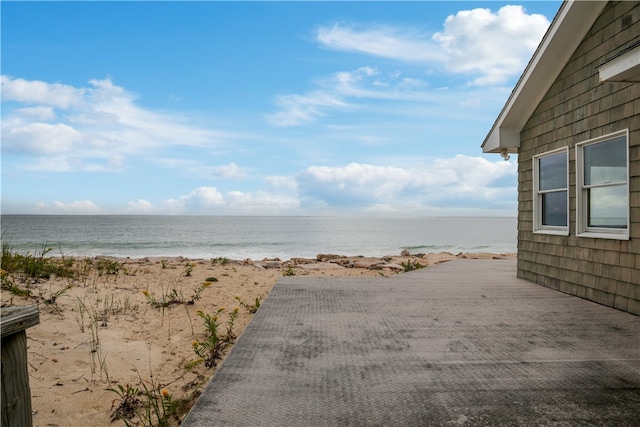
(577, 108)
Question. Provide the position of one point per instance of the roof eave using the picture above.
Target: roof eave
(570, 25)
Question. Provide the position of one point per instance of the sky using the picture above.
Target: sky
(260, 108)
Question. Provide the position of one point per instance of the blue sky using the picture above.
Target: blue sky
(260, 108)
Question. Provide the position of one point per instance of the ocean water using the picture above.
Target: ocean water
(254, 237)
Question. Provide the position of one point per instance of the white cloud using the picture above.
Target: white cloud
(92, 128)
(491, 45)
(488, 47)
(458, 185)
(199, 200)
(348, 91)
(206, 196)
(494, 45)
(286, 182)
(209, 200)
(72, 163)
(299, 109)
(42, 113)
(231, 170)
(141, 206)
(38, 92)
(369, 83)
(296, 110)
(40, 138)
(261, 202)
(81, 207)
(458, 181)
(387, 42)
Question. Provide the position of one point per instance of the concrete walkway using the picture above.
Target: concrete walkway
(459, 343)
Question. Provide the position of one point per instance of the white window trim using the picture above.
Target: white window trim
(582, 230)
(538, 228)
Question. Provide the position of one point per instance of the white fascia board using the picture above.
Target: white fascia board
(502, 140)
(571, 24)
(623, 68)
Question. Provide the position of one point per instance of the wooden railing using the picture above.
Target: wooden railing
(16, 395)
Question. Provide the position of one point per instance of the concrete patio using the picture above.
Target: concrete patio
(459, 343)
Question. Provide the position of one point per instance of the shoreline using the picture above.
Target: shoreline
(132, 322)
(320, 257)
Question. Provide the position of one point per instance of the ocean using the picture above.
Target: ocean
(242, 237)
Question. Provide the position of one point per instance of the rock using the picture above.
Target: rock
(405, 252)
(343, 262)
(318, 266)
(271, 264)
(327, 257)
(298, 261)
(369, 264)
(394, 266)
(268, 264)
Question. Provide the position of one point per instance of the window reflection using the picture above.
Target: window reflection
(605, 162)
(553, 172)
(554, 209)
(608, 206)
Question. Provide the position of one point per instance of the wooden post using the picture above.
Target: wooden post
(16, 396)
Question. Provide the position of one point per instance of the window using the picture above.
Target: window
(602, 187)
(550, 193)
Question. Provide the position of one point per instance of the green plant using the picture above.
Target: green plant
(8, 284)
(166, 300)
(197, 292)
(175, 297)
(289, 272)
(107, 266)
(210, 350)
(128, 403)
(159, 407)
(164, 263)
(36, 266)
(31, 268)
(410, 266)
(51, 299)
(230, 336)
(220, 260)
(188, 269)
(82, 268)
(15, 290)
(152, 405)
(251, 308)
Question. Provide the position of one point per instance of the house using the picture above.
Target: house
(574, 121)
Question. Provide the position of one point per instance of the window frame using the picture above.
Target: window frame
(538, 227)
(582, 200)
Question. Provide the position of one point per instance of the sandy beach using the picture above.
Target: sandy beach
(127, 324)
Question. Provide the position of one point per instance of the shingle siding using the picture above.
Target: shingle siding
(576, 108)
